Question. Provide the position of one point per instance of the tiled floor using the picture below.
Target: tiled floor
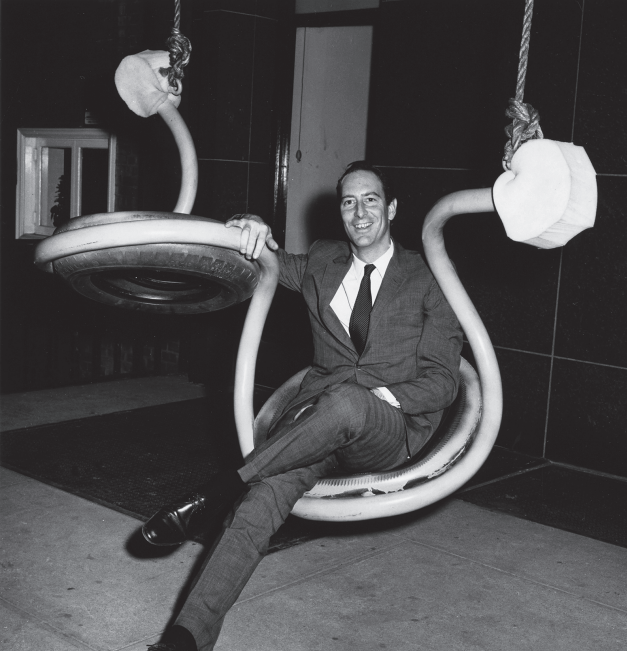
(455, 577)
(452, 577)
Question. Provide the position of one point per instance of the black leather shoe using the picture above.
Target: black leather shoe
(196, 512)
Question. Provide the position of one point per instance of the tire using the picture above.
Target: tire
(163, 277)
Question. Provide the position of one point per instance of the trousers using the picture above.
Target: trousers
(346, 426)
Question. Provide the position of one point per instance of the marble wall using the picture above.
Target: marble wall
(443, 71)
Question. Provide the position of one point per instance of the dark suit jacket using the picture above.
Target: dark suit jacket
(414, 339)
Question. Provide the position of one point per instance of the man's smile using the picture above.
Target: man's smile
(366, 215)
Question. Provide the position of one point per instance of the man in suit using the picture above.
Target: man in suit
(386, 363)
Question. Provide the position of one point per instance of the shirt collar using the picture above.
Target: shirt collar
(381, 263)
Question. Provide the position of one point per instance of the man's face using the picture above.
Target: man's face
(366, 215)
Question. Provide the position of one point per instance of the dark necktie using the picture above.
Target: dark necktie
(360, 318)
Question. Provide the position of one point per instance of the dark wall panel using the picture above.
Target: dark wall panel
(265, 68)
(551, 81)
(588, 416)
(593, 305)
(601, 119)
(525, 394)
(222, 189)
(260, 182)
(525, 378)
(222, 113)
(442, 74)
(513, 286)
(417, 190)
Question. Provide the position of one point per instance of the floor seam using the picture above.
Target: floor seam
(508, 476)
(589, 471)
(143, 639)
(328, 570)
(32, 617)
(512, 574)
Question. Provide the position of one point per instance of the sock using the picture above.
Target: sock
(226, 487)
(180, 636)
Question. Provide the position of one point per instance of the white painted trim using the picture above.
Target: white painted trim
(30, 181)
(113, 151)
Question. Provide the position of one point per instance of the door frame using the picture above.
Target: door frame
(284, 92)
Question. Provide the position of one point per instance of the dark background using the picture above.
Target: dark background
(443, 71)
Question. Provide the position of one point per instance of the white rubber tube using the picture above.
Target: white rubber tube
(249, 348)
(187, 151)
(460, 203)
(404, 501)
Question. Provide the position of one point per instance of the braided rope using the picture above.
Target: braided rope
(180, 50)
(525, 119)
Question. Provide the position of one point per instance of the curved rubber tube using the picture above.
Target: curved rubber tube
(249, 347)
(212, 233)
(404, 501)
(187, 151)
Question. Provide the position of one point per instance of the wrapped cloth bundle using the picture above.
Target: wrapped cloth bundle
(550, 194)
(141, 84)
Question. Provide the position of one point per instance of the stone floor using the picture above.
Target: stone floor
(452, 577)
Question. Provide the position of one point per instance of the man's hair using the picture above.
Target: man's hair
(365, 166)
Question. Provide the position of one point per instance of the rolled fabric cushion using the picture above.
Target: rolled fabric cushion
(141, 85)
(549, 195)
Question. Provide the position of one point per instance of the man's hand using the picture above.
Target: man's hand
(255, 235)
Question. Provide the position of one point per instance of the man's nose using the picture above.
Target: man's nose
(360, 209)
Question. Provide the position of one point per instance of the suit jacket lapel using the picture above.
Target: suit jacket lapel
(395, 276)
(330, 282)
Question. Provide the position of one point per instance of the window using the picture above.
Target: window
(62, 173)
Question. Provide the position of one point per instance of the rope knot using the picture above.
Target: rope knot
(525, 126)
(180, 50)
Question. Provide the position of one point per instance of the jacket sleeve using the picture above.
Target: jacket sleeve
(292, 269)
(438, 359)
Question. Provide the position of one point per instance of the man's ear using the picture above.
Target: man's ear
(392, 210)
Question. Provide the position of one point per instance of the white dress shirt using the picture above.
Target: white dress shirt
(344, 299)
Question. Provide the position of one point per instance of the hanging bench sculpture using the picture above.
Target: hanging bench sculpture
(175, 262)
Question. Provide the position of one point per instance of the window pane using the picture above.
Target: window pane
(95, 181)
(56, 185)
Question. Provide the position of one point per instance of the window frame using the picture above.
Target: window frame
(31, 178)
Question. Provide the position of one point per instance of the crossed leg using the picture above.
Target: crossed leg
(242, 546)
(364, 432)
(345, 425)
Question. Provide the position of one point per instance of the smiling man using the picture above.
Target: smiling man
(386, 364)
(366, 212)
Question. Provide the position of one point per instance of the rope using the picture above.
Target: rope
(525, 119)
(180, 50)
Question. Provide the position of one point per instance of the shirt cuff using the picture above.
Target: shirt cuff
(389, 397)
